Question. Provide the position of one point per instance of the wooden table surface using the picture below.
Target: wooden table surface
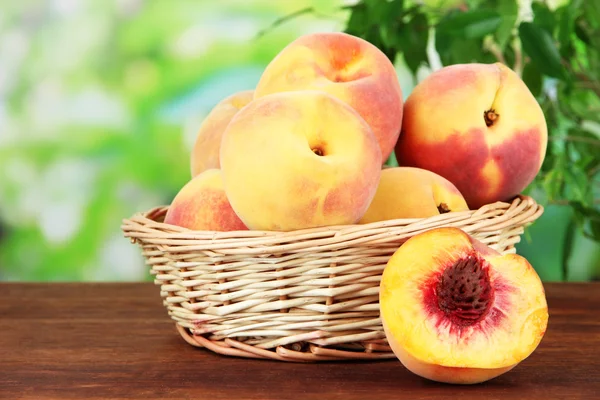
(92, 341)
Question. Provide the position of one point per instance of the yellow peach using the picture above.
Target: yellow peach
(478, 126)
(299, 159)
(455, 310)
(205, 153)
(347, 67)
(201, 204)
(407, 192)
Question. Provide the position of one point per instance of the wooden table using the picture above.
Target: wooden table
(92, 341)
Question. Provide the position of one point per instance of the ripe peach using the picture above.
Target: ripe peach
(201, 204)
(205, 154)
(454, 310)
(478, 126)
(297, 160)
(407, 192)
(347, 67)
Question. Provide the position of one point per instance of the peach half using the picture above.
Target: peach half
(300, 159)
(407, 192)
(201, 204)
(478, 126)
(456, 311)
(347, 67)
(205, 153)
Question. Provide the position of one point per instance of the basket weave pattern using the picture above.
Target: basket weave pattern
(308, 295)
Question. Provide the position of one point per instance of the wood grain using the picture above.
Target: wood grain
(100, 341)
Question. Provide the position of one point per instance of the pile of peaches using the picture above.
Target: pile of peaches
(307, 148)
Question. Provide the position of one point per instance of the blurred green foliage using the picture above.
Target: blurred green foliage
(99, 104)
(100, 101)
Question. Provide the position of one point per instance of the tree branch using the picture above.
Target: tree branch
(519, 65)
(490, 45)
(288, 17)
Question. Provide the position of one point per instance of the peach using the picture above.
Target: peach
(201, 204)
(478, 126)
(300, 159)
(205, 153)
(407, 192)
(454, 310)
(347, 67)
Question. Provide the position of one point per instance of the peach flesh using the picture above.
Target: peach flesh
(429, 277)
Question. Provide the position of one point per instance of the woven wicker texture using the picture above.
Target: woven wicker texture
(308, 295)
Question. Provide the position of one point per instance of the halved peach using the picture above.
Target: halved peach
(455, 310)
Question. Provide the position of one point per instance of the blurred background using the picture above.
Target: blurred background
(100, 101)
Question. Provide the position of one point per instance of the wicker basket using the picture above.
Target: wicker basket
(309, 295)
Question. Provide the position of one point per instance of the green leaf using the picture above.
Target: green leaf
(533, 79)
(358, 21)
(539, 46)
(453, 51)
(566, 26)
(386, 17)
(543, 17)
(470, 24)
(581, 31)
(577, 182)
(552, 183)
(414, 37)
(587, 215)
(384, 12)
(591, 9)
(584, 103)
(377, 22)
(508, 10)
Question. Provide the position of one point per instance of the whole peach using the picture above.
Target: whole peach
(300, 159)
(347, 67)
(205, 154)
(477, 125)
(201, 204)
(408, 192)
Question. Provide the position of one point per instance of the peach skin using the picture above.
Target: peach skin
(205, 154)
(299, 159)
(347, 67)
(478, 126)
(201, 204)
(455, 310)
(407, 192)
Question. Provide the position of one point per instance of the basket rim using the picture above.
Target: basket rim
(491, 218)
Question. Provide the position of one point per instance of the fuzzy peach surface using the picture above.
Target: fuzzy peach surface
(428, 342)
(205, 153)
(347, 67)
(274, 178)
(201, 204)
(407, 192)
(444, 131)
